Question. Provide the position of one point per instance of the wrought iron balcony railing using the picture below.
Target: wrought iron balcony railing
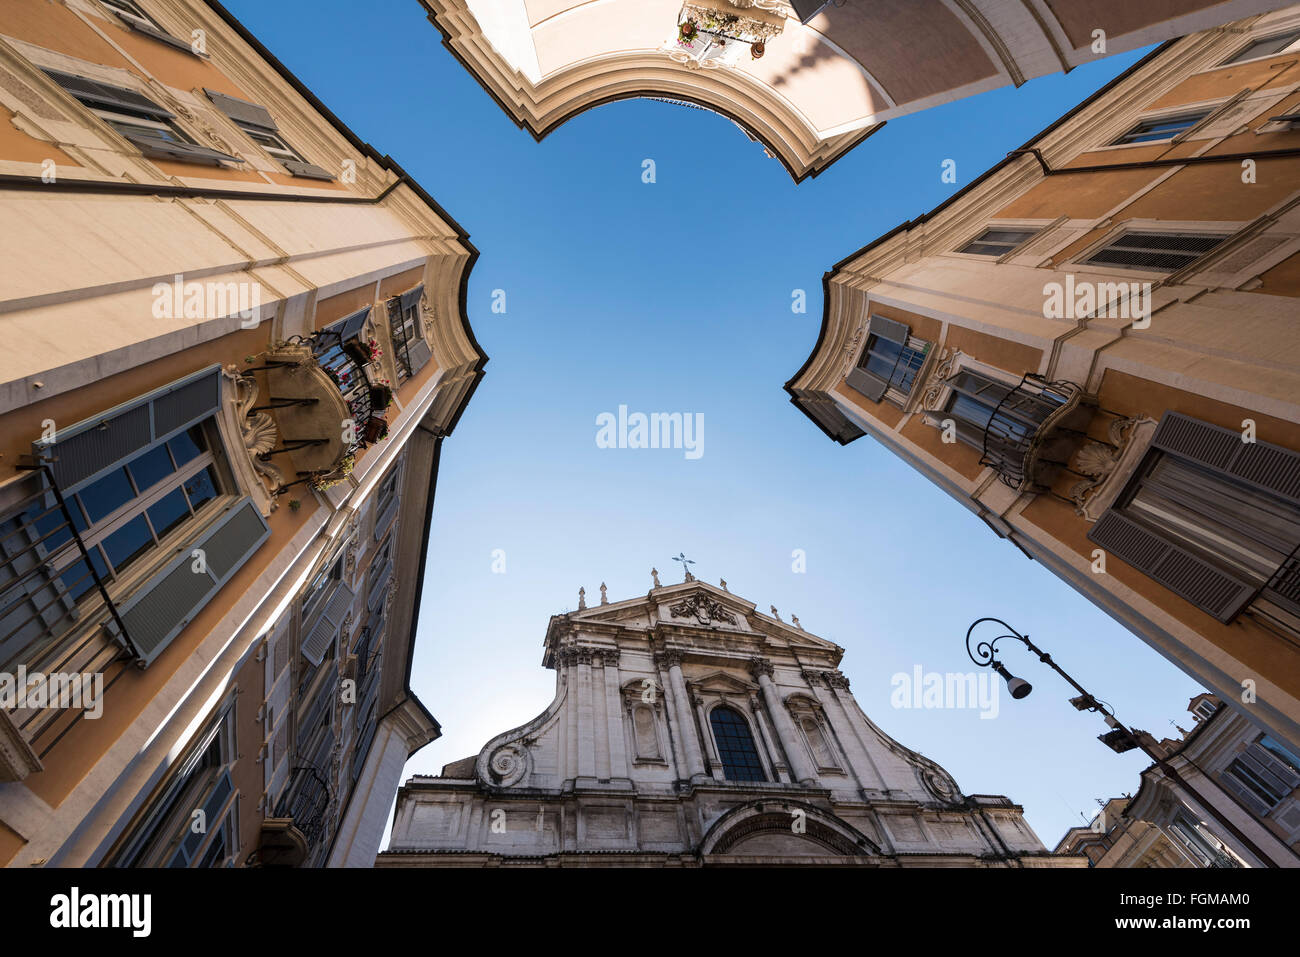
(1283, 588)
(305, 802)
(45, 572)
(1018, 433)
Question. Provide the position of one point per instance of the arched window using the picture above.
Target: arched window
(736, 746)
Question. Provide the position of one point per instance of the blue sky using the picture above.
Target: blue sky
(676, 297)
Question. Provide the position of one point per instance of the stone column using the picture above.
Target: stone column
(571, 715)
(586, 717)
(861, 767)
(614, 717)
(682, 712)
(800, 769)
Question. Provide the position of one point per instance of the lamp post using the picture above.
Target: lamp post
(1119, 738)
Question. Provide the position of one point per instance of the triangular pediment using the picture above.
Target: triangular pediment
(722, 683)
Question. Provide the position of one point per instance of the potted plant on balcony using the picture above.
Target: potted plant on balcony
(376, 429)
(381, 395)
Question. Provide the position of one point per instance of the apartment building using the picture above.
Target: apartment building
(1093, 348)
(1251, 779)
(236, 338)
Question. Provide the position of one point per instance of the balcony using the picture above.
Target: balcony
(1033, 429)
(299, 825)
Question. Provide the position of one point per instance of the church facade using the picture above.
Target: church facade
(690, 729)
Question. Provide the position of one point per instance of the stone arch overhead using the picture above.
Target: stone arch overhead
(541, 108)
(772, 815)
(506, 760)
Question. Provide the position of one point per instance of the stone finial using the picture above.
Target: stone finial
(723, 583)
(604, 599)
(582, 598)
(776, 614)
(654, 575)
(795, 619)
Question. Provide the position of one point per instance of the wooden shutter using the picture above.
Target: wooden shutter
(307, 170)
(1215, 592)
(888, 329)
(380, 585)
(156, 147)
(1270, 468)
(243, 112)
(322, 634)
(106, 96)
(385, 518)
(868, 383)
(350, 327)
(419, 353)
(156, 612)
(83, 451)
(411, 297)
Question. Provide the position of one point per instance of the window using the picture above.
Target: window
(143, 122)
(164, 837)
(735, 743)
(1206, 708)
(1264, 775)
(890, 362)
(1283, 43)
(343, 355)
(1214, 519)
(1157, 129)
(410, 351)
(1157, 252)
(1203, 846)
(258, 125)
(144, 484)
(997, 242)
(386, 499)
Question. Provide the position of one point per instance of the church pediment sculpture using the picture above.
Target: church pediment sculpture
(703, 609)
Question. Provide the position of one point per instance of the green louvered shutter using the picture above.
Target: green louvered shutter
(83, 451)
(156, 612)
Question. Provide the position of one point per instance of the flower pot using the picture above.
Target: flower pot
(376, 430)
(381, 396)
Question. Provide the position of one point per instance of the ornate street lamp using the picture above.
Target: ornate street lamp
(1119, 739)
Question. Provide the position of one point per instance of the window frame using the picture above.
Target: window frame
(160, 832)
(1083, 260)
(1034, 232)
(1197, 116)
(1292, 46)
(746, 723)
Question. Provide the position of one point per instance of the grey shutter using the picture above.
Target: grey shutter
(350, 327)
(322, 634)
(157, 611)
(1259, 464)
(1277, 774)
(411, 297)
(307, 170)
(84, 450)
(150, 30)
(33, 599)
(1210, 589)
(380, 584)
(872, 386)
(888, 329)
(155, 147)
(243, 112)
(1248, 797)
(108, 97)
(419, 353)
(385, 518)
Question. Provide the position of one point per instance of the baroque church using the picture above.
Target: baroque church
(690, 729)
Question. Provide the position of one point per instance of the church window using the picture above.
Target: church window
(740, 761)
